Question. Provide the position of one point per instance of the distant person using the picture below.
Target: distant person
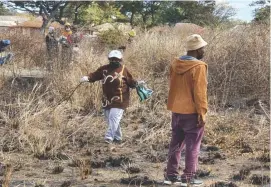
(116, 83)
(131, 36)
(75, 39)
(67, 31)
(187, 100)
(5, 55)
(52, 45)
(66, 49)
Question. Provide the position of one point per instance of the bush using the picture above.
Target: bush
(29, 51)
(239, 65)
(238, 69)
(113, 38)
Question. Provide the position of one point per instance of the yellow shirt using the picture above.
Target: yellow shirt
(66, 33)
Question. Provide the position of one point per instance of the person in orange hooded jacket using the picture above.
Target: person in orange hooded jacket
(66, 50)
(187, 100)
(67, 30)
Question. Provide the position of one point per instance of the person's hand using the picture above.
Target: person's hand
(84, 79)
(201, 123)
(140, 82)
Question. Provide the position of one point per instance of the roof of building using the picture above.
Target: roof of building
(36, 23)
(18, 19)
(7, 21)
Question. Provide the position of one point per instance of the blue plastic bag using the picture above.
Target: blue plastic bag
(143, 92)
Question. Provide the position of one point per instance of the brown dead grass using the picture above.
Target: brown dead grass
(32, 121)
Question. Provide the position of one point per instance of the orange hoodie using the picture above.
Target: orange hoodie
(188, 87)
(66, 33)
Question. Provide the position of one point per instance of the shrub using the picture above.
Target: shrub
(113, 38)
(238, 69)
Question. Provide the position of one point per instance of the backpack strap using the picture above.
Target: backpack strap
(123, 66)
(121, 82)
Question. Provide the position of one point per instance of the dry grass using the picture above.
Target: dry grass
(28, 51)
(7, 175)
(31, 120)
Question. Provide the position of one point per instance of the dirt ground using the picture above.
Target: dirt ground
(98, 164)
(103, 165)
(47, 144)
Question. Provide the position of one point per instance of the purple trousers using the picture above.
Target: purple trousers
(185, 133)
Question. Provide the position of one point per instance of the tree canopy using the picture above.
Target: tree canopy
(262, 12)
(4, 10)
(143, 13)
(47, 9)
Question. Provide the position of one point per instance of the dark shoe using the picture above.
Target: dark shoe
(117, 141)
(176, 180)
(193, 182)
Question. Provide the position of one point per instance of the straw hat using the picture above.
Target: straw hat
(195, 42)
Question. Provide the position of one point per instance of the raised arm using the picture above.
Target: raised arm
(92, 77)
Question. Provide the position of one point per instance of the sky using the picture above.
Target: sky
(243, 10)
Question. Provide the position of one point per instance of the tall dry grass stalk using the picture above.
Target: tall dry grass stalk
(7, 175)
(32, 121)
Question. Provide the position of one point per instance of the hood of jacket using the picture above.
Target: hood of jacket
(185, 63)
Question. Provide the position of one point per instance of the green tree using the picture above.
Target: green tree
(171, 12)
(203, 12)
(149, 9)
(223, 14)
(72, 10)
(3, 10)
(262, 12)
(97, 13)
(47, 9)
(145, 10)
(130, 9)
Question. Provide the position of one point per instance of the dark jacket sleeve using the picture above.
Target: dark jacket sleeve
(96, 76)
(129, 78)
